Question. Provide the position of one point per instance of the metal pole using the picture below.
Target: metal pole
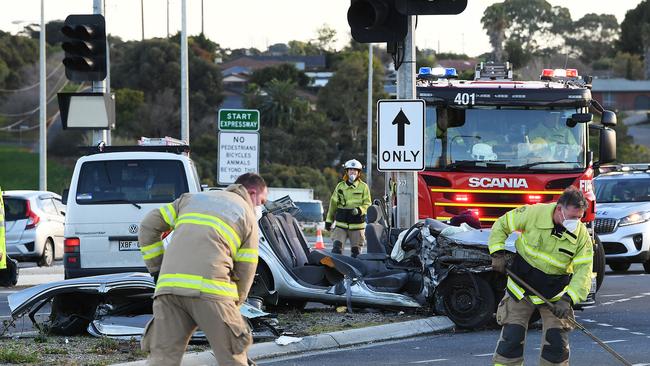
(369, 138)
(167, 18)
(185, 122)
(42, 128)
(142, 17)
(99, 86)
(202, 17)
(407, 188)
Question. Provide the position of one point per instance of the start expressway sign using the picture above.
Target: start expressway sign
(239, 120)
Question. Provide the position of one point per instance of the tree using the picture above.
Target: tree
(53, 35)
(632, 29)
(128, 103)
(16, 52)
(594, 37)
(628, 66)
(286, 72)
(495, 22)
(300, 48)
(326, 36)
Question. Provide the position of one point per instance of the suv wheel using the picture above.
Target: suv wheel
(48, 254)
(619, 267)
(646, 266)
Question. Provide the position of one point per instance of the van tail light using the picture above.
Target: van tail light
(71, 245)
(32, 218)
(534, 198)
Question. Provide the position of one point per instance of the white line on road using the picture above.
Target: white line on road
(427, 361)
(637, 333)
(484, 355)
(613, 341)
(604, 325)
(611, 295)
(637, 297)
(589, 306)
(588, 320)
(621, 328)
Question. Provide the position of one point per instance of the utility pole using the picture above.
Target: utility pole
(369, 139)
(99, 86)
(407, 188)
(142, 17)
(167, 18)
(42, 128)
(185, 118)
(202, 17)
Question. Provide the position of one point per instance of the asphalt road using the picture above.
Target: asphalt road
(620, 318)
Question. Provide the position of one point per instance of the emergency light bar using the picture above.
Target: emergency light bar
(426, 72)
(548, 74)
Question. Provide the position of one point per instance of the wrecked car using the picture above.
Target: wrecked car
(116, 305)
(431, 264)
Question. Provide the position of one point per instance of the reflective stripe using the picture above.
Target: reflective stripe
(247, 255)
(519, 292)
(216, 223)
(582, 260)
(574, 296)
(515, 289)
(344, 225)
(168, 214)
(195, 282)
(153, 250)
(511, 220)
(539, 255)
(495, 247)
(537, 301)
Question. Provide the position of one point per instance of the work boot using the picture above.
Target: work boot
(337, 247)
(355, 251)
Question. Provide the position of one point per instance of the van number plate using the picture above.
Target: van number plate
(126, 245)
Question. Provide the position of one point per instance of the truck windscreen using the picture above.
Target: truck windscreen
(503, 139)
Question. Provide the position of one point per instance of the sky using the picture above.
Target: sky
(260, 23)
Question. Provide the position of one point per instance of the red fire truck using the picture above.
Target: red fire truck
(494, 143)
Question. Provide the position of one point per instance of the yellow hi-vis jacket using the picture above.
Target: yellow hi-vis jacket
(3, 244)
(213, 251)
(345, 198)
(545, 252)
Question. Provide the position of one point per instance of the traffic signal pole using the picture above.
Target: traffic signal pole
(99, 86)
(42, 129)
(407, 184)
(185, 114)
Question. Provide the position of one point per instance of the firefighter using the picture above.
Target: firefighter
(3, 244)
(554, 255)
(348, 205)
(204, 274)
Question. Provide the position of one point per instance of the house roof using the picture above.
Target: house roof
(258, 62)
(249, 64)
(620, 85)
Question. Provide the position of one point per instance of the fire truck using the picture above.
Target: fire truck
(493, 143)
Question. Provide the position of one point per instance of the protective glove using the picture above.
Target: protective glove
(328, 226)
(499, 262)
(562, 308)
(356, 211)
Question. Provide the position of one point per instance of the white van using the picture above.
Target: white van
(110, 193)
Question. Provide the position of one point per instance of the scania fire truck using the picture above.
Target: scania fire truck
(494, 143)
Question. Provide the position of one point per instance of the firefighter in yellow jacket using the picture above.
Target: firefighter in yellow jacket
(348, 205)
(204, 274)
(554, 255)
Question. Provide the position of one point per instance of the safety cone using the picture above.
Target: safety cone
(319, 240)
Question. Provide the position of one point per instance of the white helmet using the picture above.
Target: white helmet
(483, 152)
(353, 164)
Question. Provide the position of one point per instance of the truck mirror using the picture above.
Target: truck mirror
(607, 148)
(579, 118)
(608, 119)
(64, 196)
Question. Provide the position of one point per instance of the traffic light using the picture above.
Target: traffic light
(429, 7)
(85, 47)
(376, 21)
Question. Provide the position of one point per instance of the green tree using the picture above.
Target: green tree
(594, 37)
(632, 29)
(495, 22)
(285, 72)
(128, 103)
(16, 52)
(300, 48)
(326, 37)
(629, 66)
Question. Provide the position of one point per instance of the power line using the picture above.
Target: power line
(21, 114)
(31, 86)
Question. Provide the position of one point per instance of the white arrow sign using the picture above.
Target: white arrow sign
(400, 135)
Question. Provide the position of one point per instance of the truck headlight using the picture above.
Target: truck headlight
(635, 218)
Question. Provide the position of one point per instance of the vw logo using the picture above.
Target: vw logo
(133, 228)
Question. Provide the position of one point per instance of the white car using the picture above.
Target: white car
(623, 216)
(34, 225)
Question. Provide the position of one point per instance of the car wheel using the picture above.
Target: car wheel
(599, 262)
(48, 254)
(619, 267)
(646, 266)
(468, 300)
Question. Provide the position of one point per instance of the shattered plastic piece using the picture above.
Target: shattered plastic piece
(285, 340)
(67, 341)
(400, 313)
(341, 309)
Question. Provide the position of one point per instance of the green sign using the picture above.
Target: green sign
(239, 120)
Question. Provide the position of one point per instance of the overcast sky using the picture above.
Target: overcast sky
(259, 23)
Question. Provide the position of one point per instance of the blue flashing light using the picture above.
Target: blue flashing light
(424, 71)
(450, 72)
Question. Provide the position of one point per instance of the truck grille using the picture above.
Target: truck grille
(604, 226)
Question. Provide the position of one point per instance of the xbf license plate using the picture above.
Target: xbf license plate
(127, 245)
(593, 285)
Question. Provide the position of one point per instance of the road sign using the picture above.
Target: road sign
(238, 154)
(400, 134)
(239, 120)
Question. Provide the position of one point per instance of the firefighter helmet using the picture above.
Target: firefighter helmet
(353, 164)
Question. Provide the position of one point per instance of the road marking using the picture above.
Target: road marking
(614, 341)
(637, 297)
(427, 361)
(588, 320)
(617, 276)
(621, 328)
(604, 325)
(637, 333)
(484, 355)
(611, 295)
(589, 306)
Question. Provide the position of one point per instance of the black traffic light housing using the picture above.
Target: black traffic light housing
(376, 21)
(85, 47)
(428, 7)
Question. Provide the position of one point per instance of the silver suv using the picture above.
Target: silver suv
(623, 215)
(34, 225)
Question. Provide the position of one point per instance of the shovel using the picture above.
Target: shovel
(573, 321)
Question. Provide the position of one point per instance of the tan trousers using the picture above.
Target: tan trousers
(357, 237)
(514, 317)
(175, 318)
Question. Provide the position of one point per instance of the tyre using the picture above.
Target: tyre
(48, 254)
(619, 267)
(646, 266)
(599, 262)
(468, 300)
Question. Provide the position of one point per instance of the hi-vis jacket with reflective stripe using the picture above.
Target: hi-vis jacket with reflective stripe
(547, 253)
(347, 197)
(3, 244)
(213, 250)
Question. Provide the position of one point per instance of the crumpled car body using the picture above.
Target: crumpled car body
(115, 305)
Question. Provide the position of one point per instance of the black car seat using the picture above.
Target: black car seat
(376, 231)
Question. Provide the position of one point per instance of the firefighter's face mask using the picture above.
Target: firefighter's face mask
(570, 224)
(352, 175)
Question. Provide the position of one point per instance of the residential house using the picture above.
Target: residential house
(622, 94)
